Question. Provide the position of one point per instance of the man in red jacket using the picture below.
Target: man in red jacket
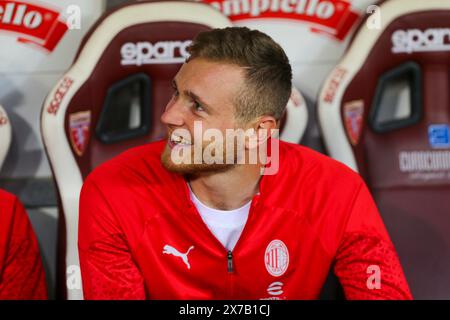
(21, 272)
(197, 217)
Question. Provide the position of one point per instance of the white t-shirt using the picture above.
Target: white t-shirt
(225, 225)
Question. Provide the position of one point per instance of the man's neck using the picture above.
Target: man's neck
(227, 190)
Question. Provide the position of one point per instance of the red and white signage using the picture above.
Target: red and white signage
(63, 87)
(336, 79)
(33, 23)
(335, 17)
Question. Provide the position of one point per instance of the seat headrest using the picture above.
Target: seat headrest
(387, 102)
(113, 95)
(295, 120)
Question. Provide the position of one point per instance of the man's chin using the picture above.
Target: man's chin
(191, 169)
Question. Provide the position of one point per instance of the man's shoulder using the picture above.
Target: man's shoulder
(7, 198)
(319, 187)
(309, 158)
(305, 163)
(143, 161)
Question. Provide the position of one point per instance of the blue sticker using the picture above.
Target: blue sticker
(438, 134)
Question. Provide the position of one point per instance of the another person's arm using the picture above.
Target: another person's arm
(22, 275)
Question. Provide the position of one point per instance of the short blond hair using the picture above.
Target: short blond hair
(268, 78)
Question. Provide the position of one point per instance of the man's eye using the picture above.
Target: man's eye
(175, 93)
(198, 107)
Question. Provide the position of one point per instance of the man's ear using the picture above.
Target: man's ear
(262, 130)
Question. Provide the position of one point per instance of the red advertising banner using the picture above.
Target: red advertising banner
(332, 17)
(33, 23)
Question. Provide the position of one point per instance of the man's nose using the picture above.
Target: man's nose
(173, 114)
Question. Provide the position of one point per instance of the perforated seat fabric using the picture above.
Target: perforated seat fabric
(111, 99)
(384, 111)
(5, 135)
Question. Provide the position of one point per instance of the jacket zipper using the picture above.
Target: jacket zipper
(230, 277)
(230, 262)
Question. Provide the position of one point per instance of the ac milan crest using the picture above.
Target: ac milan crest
(276, 258)
(79, 124)
(353, 115)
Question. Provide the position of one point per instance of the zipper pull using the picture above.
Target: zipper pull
(230, 262)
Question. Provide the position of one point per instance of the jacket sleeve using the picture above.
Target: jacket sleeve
(107, 267)
(366, 262)
(22, 275)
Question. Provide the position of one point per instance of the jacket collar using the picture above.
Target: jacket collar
(266, 183)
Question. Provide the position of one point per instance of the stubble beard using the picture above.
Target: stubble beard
(194, 168)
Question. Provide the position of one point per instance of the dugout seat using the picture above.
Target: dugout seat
(5, 135)
(385, 112)
(111, 99)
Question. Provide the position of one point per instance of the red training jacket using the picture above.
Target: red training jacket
(21, 272)
(141, 237)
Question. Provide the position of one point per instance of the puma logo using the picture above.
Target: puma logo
(184, 256)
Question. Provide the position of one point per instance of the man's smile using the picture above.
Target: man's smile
(176, 140)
